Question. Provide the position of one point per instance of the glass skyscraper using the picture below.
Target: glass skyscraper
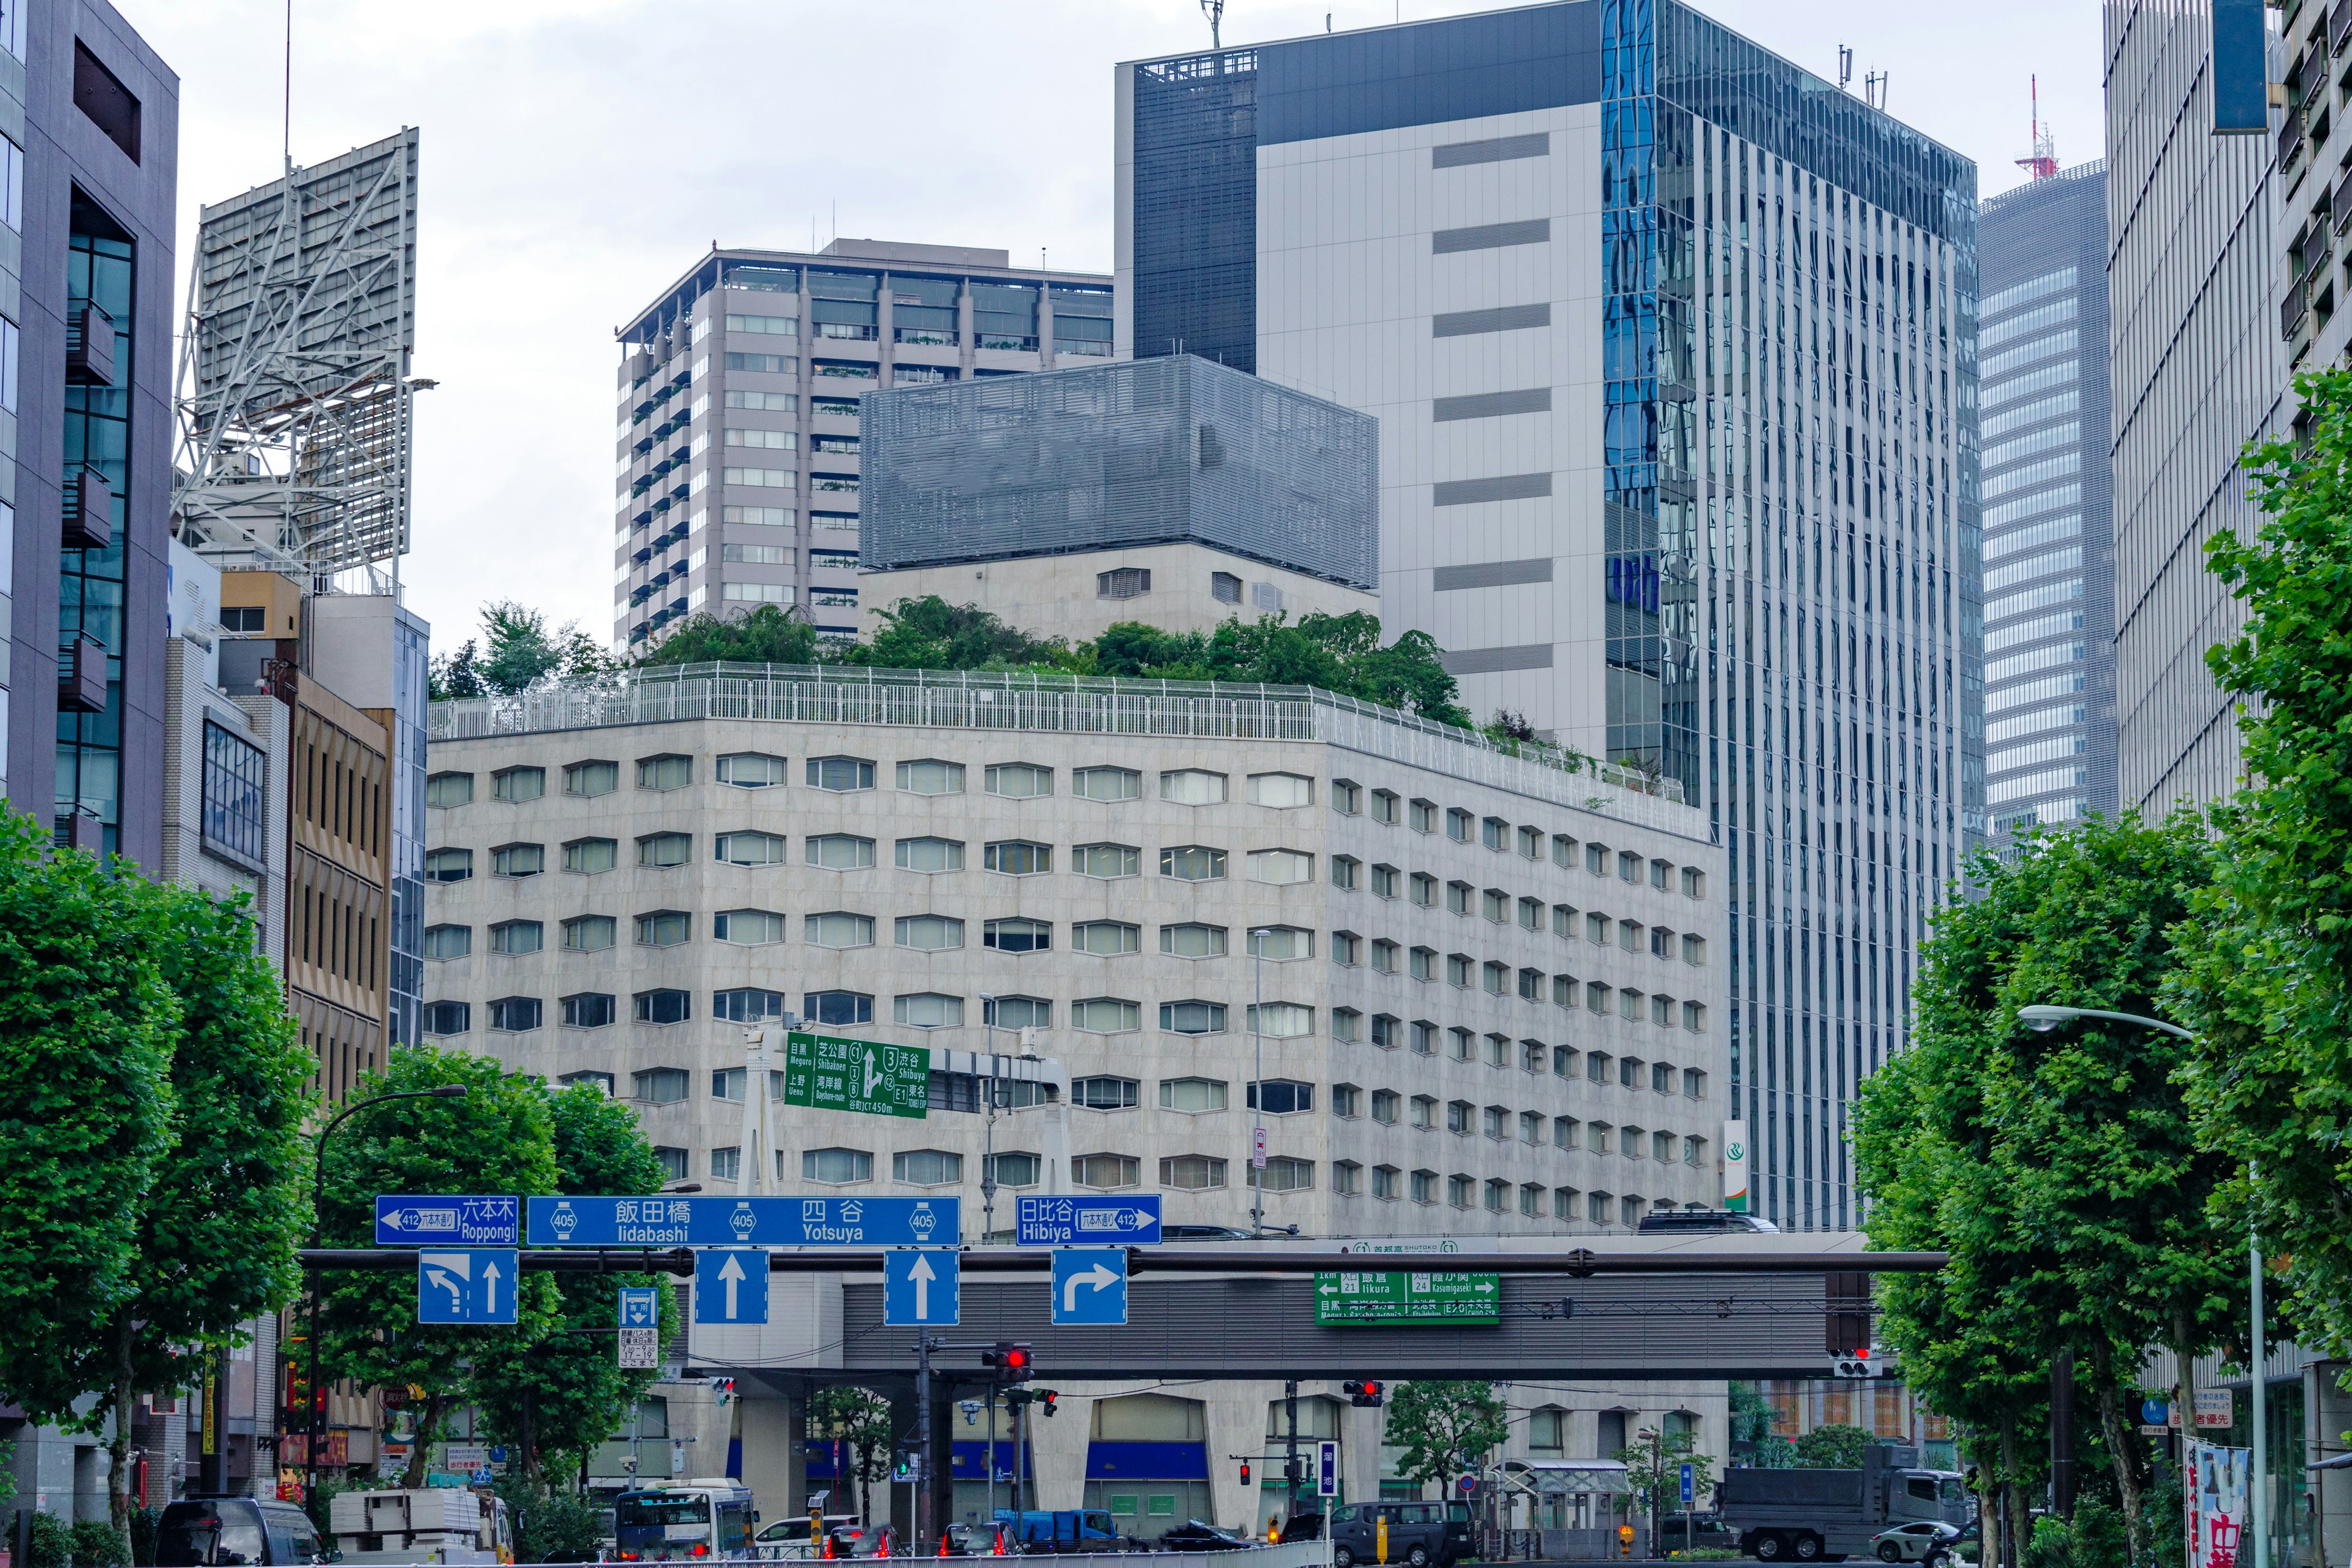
(2049, 504)
(1673, 345)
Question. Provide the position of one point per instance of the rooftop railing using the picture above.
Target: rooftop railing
(1069, 704)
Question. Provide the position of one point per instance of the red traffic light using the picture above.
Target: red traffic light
(1016, 1358)
(1050, 1398)
(1010, 1360)
(1364, 1395)
(1245, 1472)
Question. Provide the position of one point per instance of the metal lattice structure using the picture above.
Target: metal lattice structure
(293, 393)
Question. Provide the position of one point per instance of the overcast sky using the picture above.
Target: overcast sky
(578, 155)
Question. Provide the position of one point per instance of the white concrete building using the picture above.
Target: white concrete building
(1484, 997)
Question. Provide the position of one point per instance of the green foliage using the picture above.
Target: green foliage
(1442, 1427)
(52, 1543)
(1832, 1448)
(767, 636)
(859, 1420)
(97, 1543)
(1751, 1428)
(452, 676)
(564, 1393)
(499, 1138)
(86, 1112)
(2268, 978)
(1653, 1463)
(2094, 1538)
(520, 652)
(931, 634)
(145, 1522)
(2060, 1169)
(551, 1526)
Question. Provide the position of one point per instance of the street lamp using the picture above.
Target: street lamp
(2043, 1020)
(318, 1200)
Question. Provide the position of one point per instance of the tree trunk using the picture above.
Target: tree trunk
(1988, 1512)
(118, 1477)
(2009, 1554)
(425, 1429)
(2123, 1452)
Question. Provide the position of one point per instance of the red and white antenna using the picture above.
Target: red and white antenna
(2043, 163)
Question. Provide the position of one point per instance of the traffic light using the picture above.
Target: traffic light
(1245, 1472)
(1861, 1363)
(1048, 1397)
(1365, 1395)
(724, 1389)
(1010, 1360)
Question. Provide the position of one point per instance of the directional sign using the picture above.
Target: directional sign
(730, 1286)
(640, 1337)
(1326, 1469)
(920, 1287)
(1081, 1221)
(828, 1073)
(1689, 1482)
(640, 1306)
(445, 1221)
(1090, 1285)
(742, 1222)
(470, 1286)
(1344, 1301)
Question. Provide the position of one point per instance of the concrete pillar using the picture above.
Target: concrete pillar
(770, 1453)
(1236, 1421)
(1058, 1452)
(1359, 1453)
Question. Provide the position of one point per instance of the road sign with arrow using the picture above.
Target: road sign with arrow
(1344, 1301)
(1075, 1221)
(1090, 1285)
(640, 1320)
(920, 1287)
(475, 1285)
(730, 1286)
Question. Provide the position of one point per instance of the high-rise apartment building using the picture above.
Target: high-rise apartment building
(2199, 369)
(1672, 349)
(2049, 503)
(737, 465)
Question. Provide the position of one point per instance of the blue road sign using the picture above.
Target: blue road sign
(2155, 1411)
(402, 1220)
(742, 1222)
(640, 1306)
(1690, 1483)
(1326, 1469)
(471, 1285)
(920, 1287)
(1090, 1285)
(730, 1286)
(1086, 1221)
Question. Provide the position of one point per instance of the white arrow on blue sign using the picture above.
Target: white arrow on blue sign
(447, 1220)
(465, 1286)
(1090, 1285)
(640, 1306)
(1085, 1221)
(730, 1286)
(922, 1286)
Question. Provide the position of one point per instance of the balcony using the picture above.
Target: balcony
(2290, 140)
(833, 484)
(1003, 343)
(87, 510)
(90, 346)
(2339, 202)
(2339, 25)
(845, 331)
(930, 336)
(2292, 310)
(81, 677)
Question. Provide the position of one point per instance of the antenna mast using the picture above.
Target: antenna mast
(1216, 11)
(2043, 162)
(1845, 67)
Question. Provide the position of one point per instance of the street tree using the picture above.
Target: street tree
(1835, 1446)
(499, 1138)
(228, 1203)
(2267, 982)
(1653, 1465)
(564, 1391)
(88, 1116)
(858, 1421)
(1445, 1427)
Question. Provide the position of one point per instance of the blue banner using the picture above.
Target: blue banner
(682, 1221)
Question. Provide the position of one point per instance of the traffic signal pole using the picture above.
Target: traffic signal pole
(924, 1532)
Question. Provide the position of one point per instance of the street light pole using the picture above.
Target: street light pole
(311, 1415)
(2044, 1018)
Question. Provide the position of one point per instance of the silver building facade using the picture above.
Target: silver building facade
(736, 465)
(1672, 344)
(2199, 369)
(2049, 504)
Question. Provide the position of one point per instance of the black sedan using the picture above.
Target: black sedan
(1194, 1536)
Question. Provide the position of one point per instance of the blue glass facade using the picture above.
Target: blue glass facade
(1195, 235)
(92, 582)
(1138, 452)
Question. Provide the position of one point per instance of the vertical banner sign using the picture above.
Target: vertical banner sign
(2215, 1502)
(211, 1410)
(1735, 1166)
(2241, 71)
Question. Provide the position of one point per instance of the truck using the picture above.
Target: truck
(1061, 1530)
(421, 1525)
(1812, 1515)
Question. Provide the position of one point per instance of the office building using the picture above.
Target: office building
(2199, 368)
(2049, 504)
(1482, 987)
(1169, 490)
(737, 474)
(1671, 347)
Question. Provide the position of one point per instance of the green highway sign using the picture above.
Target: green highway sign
(1345, 1300)
(866, 1076)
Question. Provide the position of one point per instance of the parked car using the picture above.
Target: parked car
(1962, 1547)
(1912, 1543)
(227, 1532)
(1420, 1534)
(1302, 1527)
(994, 1539)
(1194, 1536)
(793, 1538)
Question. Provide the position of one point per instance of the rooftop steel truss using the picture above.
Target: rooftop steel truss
(293, 392)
